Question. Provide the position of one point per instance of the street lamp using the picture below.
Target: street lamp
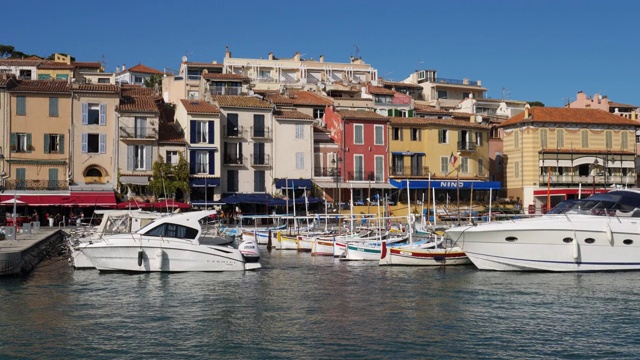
(336, 168)
(595, 171)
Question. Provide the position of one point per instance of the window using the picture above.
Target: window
(172, 157)
(54, 143)
(358, 167)
(202, 162)
(299, 160)
(396, 133)
(398, 164)
(232, 180)
(103, 81)
(543, 138)
(62, 76)
(21, 142)
(139, 153)
(259, 157)
(259, 181)
(44, 76)
(585, 139)
(442, 94)
(53, 179)
(379, 135)
(21, 105)
(299, 131)
(464, 165)
(201, 133)
(138, 79)
(443, 136)
(560, 135)
(608, 139)
(318, 113)
(415, 134)
(516, 169)
(258, 126)
(21, 178)
(444, 164)
(53, 107)
(139, 157)
(516, 139)
(379, 162)
(94, 114)
(465, 95)
(94, 143)
(232, 125)
(624, 140)
(358, 134)
(480, 167)
(478, 138)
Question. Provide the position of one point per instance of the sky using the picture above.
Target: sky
(542, 50)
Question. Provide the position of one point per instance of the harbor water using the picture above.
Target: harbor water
(304, 307)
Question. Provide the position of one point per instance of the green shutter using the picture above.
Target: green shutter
(53, 107)
(390, 112)
(46, 149)
(14, 142)
(410, 113)
(28, 142)
(21, 105)
(62, 144)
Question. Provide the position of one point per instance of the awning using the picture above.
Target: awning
(265, 199)
(294, 183)
(202, 182)
(353, 184)
(446, 184)
(133, 204)
(134, 180)
(87, 198)
(170, 204)
(408, 153)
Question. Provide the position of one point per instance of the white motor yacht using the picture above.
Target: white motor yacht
(598, 233)
(172, 243)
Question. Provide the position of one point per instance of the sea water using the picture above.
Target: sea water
(304, 307)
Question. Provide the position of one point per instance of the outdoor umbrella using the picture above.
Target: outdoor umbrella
(171, 204)
(132, 204)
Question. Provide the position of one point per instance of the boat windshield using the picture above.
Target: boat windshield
(615, 203)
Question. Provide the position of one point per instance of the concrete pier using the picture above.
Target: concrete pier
(21, 255)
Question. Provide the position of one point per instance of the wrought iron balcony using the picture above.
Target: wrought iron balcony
(36, 185)
(362, 176)
(234, 160)
(233, 132)
(409, 171)
(261, 160)
(133, 132)
(466, 146)
(260, 132)
(324, 171)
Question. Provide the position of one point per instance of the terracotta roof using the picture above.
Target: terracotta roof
(416, 121)
(103, 88)
(169, 133)
(20, 62)
(199, 107)
(87, 64)
(136, 90)
(48, 64)
(292, 114)
(241, 101)
(426, 109)
(401, 84)
(569, 115)
(361, 115)
(143, 69)
(300, 98)
(137, 104)
(217, 76)
(379, 90)
(41, 86)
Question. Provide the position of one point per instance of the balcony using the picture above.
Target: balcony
(408, 171)
(127, 132)
(36, 185)
(234, 160)
(233, 132)
(324, 171)
(258, 160)
(363, 176)
(586, 181)
(226, 90)
(466, 146)
(260, 133)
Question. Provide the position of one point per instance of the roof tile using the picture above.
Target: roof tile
(361, 115)
(292, 114)
(241, 101)
(540, 114)
(199, 107)
(169, 133)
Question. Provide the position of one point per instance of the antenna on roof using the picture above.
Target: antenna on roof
(357, 49)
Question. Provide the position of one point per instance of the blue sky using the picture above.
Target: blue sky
(523, 50)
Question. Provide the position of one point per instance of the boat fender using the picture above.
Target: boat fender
(140, 256)
(609, 233)
(575, 249)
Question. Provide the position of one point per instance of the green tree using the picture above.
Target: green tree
(167, 178)
(6, 51)
(536, 103)
(154, 80)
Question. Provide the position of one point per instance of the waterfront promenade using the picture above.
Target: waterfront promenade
(22, 254)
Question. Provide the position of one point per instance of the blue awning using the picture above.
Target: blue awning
(446, 184)
(408, 153)
(294, 183)
(202, 182)
(265, 199)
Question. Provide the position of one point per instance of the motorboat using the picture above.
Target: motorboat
(598, 233)
(172, 243)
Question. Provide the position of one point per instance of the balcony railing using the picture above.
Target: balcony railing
(457, 82)
(587, 180)
(261, 160)
(234, 160)
(326, 171)
(466, 146)
(232, 132)
(226, 90)
(36, 185)
(363, 176)
(127, 132)
(260, 132)
(409, 171)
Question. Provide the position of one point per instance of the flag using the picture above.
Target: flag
(453, 159)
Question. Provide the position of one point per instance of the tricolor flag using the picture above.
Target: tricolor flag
(453, 159)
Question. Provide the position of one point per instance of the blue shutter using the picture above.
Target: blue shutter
(85, 114)
(53, 106)
(14, 142)
(103, 114)
(212, 162)
(85, 143)
(61, 137)
(28, 142)
(46, 143)
(130, 157)
(192, 162)
(148, 152)
(192, 130)
(21, 105)
(103, 143)
(211, 132)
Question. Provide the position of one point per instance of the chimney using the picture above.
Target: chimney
(270, 56)
(227, 53)
(526, 111)
(123, 67)
(321, 58)
(296, 56)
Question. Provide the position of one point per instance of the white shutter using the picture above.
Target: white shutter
(103, 114)
(85, 140)
(103, 143)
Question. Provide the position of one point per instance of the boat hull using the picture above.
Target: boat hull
(423, 257)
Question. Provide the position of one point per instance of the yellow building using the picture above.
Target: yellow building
(552, 154)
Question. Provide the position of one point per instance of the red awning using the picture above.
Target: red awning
(80, 198)
(132, 204)
(171, 204)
